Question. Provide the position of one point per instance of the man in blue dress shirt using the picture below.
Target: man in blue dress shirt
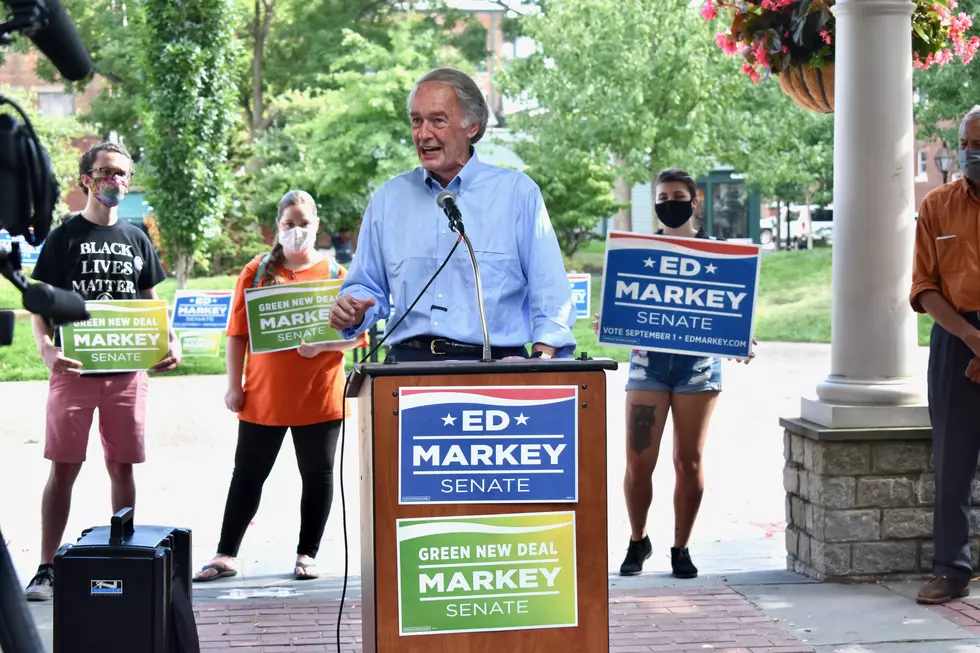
(405, 236)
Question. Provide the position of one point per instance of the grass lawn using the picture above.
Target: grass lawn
(794, 306)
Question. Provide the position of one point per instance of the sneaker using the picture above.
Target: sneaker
(680, 562)
(636, 555)
(943, 589)
(41, 587)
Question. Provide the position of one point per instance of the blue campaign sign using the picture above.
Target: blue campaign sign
(581, 293)
(201, 309)
(28, 253)
(515, 444)
(679, 295)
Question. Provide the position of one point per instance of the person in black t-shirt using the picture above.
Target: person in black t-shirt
(101, 258)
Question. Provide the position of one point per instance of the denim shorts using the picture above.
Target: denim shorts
(661, 372)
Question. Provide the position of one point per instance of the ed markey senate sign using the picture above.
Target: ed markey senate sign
(516, 444)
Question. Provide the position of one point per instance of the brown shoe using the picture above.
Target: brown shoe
(942, 589)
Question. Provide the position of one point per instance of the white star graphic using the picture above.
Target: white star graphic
(648, 263)
(521, 419)
(448, 420)
(710, 269)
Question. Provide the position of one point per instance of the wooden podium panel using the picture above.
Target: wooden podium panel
(379, 465)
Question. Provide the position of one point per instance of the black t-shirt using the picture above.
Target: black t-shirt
(700, 234)
(99, 262)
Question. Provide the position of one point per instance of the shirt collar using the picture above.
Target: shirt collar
(463, 178)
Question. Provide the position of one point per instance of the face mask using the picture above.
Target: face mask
(970, 164)
(109, 190)
(297, 239)
(674, 213)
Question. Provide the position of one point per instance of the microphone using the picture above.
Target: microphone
(447, 202)
(59, 306)
(48, 26)
(6, 328)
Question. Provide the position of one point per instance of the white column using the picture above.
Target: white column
(874, 334)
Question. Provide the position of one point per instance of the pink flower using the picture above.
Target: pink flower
(709, 11)
(760, 54)
(825, 35)
(727, 45)
(750, 70)
(944, 57)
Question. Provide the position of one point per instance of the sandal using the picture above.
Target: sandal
(223, 570)
(306, 574)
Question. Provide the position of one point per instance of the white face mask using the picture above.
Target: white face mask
(297, 239)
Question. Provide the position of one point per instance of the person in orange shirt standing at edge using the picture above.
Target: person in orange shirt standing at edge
(299, 389)
(946, 285)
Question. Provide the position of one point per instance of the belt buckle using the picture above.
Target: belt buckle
(432, 347)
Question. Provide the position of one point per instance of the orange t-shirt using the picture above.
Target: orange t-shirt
(282, 388)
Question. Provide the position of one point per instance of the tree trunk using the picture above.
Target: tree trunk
(778, 231)
(183, 264)
(260, 31)
(809, 222)
(624, 219)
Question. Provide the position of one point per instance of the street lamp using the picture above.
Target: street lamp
(944, 161)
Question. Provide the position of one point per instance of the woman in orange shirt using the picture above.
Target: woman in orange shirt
(299, 389)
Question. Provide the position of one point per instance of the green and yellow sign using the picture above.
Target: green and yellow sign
(119, 336)
(282, 317)
(199, 342)
(495, 572)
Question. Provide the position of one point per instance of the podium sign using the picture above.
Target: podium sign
(477, 574)
(477, 444)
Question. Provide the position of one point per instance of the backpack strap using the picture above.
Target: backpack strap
(258, 273)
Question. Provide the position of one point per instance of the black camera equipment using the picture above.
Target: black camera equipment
(28, 194)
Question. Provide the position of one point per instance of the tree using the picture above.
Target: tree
(577, 190)
(639, 81)
(189, 58)
(785, 152)
(947, 93)
(339, 144)
(58, 135)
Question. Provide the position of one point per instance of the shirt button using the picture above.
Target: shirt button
(443, 231)
(435, 324)
(440, 295)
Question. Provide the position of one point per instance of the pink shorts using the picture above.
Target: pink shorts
(121, 400)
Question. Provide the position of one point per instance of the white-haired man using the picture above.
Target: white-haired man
(946, 284)
(405, 236)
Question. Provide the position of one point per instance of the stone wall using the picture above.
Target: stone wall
(859, 502)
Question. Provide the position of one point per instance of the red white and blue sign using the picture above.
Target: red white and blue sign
(679, 295)
(581, 285)
(28, 253)
(201, 309)
(513, 444)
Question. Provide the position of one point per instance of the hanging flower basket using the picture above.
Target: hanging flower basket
(811, 88)
(794, 40)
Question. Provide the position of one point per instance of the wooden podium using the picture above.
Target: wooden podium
(456, 598)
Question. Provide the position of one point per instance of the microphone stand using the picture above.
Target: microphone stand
(456, 224)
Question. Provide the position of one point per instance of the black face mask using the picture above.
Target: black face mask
(674, 213)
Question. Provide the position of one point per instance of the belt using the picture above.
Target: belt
(440, 346)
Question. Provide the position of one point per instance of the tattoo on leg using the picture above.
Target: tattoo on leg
(642, 420)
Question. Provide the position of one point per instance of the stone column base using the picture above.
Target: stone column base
(859, 502)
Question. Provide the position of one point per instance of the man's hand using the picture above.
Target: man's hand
(55, 359)
(973, 370)
(173, 356)
(235, 398)
(751, 353)
(348, 312)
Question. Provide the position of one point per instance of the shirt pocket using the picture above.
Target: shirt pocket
(950, 253)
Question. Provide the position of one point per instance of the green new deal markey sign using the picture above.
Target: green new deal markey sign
(119, 336)
(495, 572)
(282, 317)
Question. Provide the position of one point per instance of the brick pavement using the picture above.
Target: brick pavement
(964, 613)
(642, 621)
